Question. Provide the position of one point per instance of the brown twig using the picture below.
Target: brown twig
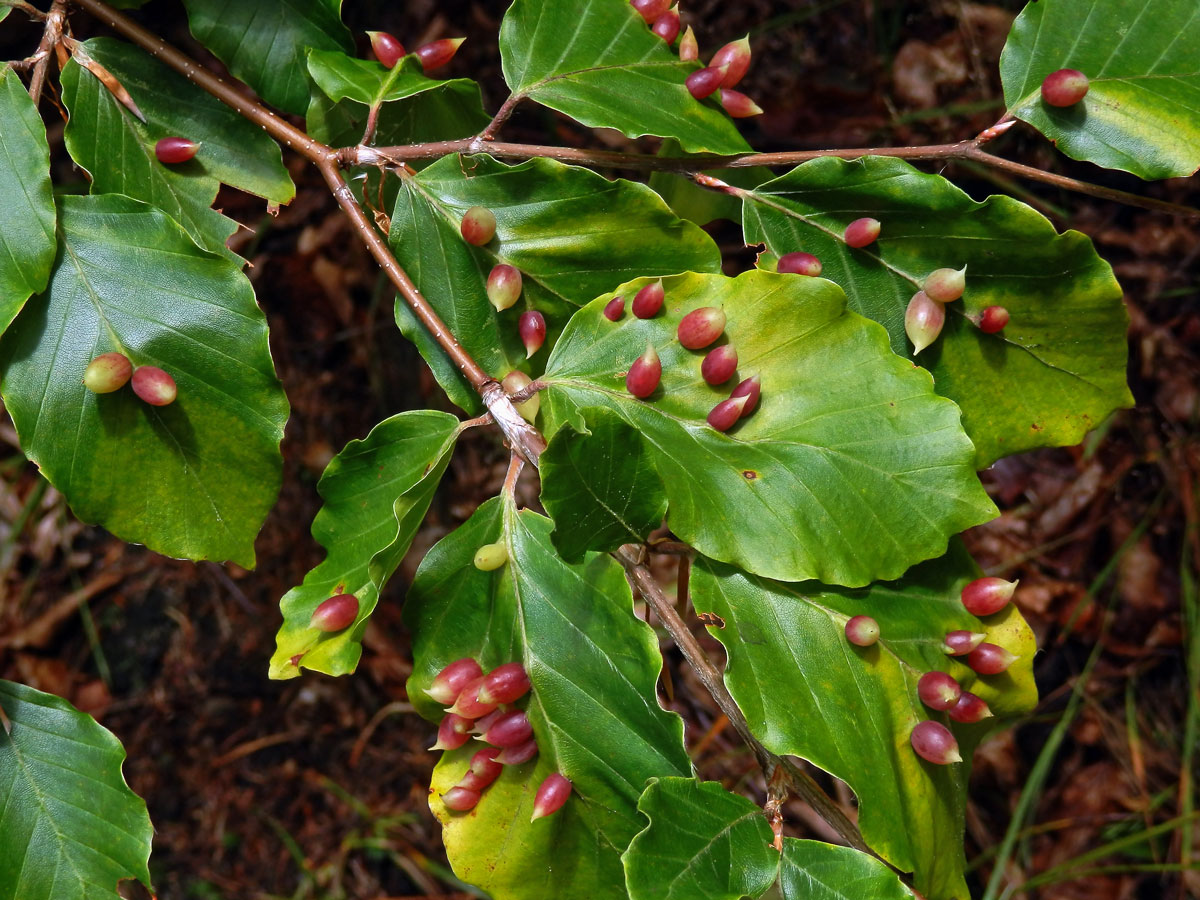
(51, 35)
(643, 580)
(506, 110)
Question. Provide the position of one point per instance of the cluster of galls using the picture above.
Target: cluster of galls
(926, 313)
(480, 704)
(110, 372)
(931, 740)
(697, 330)
(727, 67)
(389, 51)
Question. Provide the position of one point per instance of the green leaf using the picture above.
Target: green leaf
(595, 714)
(27, 242)
(263, 42)
(811, 870)
(194, 479)
(598, 62)
(572, 233)
(599, 485)
(72, 827)
(850, 469)
(1049, 377)
(413, 108)
(1142, 110)
(806, 691)
(376, 493)
(702, 843)
(117, 150)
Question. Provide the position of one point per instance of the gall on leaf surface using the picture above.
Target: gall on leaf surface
(60, 775)
(573, 234)
(27, 239)
(1055, 371)
(376, 493)
(263, 42)
(595, 714)
(725, 853)
(600, 485)
(119, 151)
(849, 469)
(808, 692)
(412, 107)
(194, 479)
(597, 62)
(1142, 109)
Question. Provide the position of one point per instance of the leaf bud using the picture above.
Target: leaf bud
(550, 796)
(106, 373)
(336, 613)
(923, 321)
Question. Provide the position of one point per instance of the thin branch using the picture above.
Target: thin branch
(51, 35)
(506, 110)
(523, 437)
(693, 165)
(630, 557)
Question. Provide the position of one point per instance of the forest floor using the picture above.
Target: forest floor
(316, 787)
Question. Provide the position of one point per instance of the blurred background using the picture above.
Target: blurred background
(315, 788)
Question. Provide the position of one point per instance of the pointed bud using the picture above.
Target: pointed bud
(517, 381)
(969, 708)
(479, 726)
(749, 389)
(1066, 87)
(649, 300)
(799, 264)
(172, 150)
(701, 327)
(689, 49)
(484, 770)
(650, 9)
(738, 105)
(453, 732)
(468, 705)
(154, 386)
(503, 284)
(923, 321)
(335, 613)
(960, 643)
(993, 319)
(450, 681)
(505, 683)
(736, 56)
(460, 799)
(532, 328)
(108, 372)
(644, 374)
(522, 753)
(510, 730)
(862, 631)
(934, 743)
(550, 797)
(725, 413)
(945, 285)
(491, 556)
(478, 225)
(985, 596)
(862, 232)
(387, 49)
(703, 82)
(938, 690)
(719, 365)
(438, 53)
(614, 309)
(990, 659)
(666, 26)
